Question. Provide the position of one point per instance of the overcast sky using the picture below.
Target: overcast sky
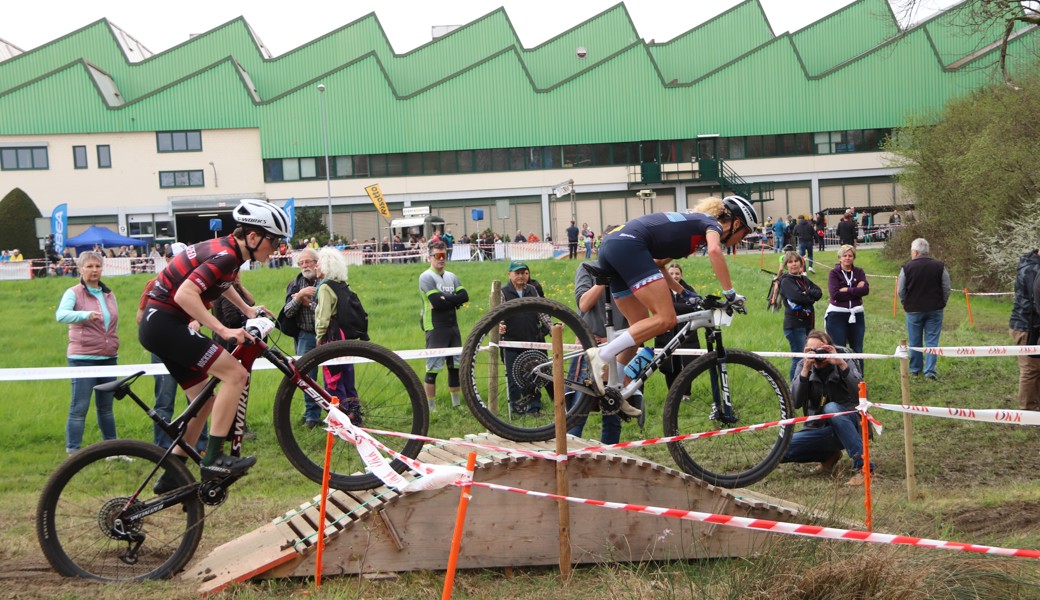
(284, 26)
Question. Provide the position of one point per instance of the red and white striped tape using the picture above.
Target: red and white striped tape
(1006, 416)
(813, 531)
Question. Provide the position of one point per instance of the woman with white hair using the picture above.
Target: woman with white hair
(339, 316)
(90, 310)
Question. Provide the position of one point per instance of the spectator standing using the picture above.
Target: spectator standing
(779, 234)
(827, 385)
(590, 241)
(924, 288)
(524, 328)
(519, 237)
(331, 318)
(847, 231)
(1024, 328)
(821, 230)
(798, 294)
(442, 295)
(297, 320)
(683, 305)
(572, 241)
(806, 241)
(847, 284)
(532, 238)
(92, 314)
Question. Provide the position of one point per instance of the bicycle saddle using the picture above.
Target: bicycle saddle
(601, 276)
(119, 387)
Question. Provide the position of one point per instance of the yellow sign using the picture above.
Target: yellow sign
(376, 195)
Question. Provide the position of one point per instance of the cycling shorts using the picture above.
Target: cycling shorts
(629, 262)
(188, 355)
(443, 337)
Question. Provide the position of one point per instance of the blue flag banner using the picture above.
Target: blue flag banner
(290, 210)
(60, 226)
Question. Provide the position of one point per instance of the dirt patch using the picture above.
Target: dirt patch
(996, 521)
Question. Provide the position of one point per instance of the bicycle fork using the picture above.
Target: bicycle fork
(722, 406)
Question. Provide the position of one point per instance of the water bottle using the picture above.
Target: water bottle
(642, 359)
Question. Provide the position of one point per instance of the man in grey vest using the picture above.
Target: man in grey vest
(924, 288)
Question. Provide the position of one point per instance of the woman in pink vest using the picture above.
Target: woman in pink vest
(91, 312)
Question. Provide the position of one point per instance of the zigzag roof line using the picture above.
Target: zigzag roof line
(394, 67)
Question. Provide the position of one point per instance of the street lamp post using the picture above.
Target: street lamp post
(328, 173)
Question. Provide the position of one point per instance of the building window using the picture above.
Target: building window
(174, 179)
(79, 157)
(104, 157)
(178, 141)
(17, 159)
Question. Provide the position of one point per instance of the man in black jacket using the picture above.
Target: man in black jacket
(524, 328)
(806, 236)
(847, 231)
(1025, 329)
(924, 288)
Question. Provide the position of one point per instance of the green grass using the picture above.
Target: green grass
(962, 468)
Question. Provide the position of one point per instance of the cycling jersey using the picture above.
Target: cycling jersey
(668, 234)
(211, 265)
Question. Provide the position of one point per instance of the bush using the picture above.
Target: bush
(17, 224)
(971, 171)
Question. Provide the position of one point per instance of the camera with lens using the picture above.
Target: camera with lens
(817, 351)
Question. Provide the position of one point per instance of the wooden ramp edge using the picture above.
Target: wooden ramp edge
(380, 530)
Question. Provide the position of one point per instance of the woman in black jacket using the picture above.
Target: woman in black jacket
(799, 294)
(676, 363)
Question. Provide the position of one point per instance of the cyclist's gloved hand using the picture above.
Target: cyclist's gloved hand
(691, 297)
(730, 295)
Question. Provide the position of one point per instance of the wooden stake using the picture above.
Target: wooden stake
(456, 538)
(562, 487)
(493, 301)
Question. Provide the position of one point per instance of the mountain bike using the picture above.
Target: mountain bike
(98, 516)
(728, 388)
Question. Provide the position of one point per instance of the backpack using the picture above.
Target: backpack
(350, 318)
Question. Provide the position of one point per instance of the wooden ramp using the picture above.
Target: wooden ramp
(381, 530)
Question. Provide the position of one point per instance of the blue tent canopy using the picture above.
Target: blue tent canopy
(101, 236)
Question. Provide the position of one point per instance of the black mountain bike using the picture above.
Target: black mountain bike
(99, 518)
(728, 388)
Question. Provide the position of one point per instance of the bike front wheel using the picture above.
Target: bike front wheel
(508, 383)
(83, 518)
(376, 388)
(758, 394)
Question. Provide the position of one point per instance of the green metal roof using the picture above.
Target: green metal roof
(478, 88)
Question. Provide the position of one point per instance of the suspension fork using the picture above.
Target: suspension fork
(719, 375)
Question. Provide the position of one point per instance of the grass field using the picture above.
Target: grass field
(978, 482)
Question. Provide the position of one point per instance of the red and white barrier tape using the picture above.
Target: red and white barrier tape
(812, 531)
(1006, 416)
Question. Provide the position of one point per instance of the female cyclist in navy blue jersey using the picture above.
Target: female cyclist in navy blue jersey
(636, 254)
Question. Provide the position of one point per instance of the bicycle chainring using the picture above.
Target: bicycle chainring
(213, 493)
(610, 403)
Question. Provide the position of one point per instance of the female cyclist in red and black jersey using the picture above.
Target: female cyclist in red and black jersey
(184, 291)
(637, 254)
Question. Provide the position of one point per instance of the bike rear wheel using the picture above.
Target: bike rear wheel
(390, 398)
(758, 394)
(499, 381)
(77, 510)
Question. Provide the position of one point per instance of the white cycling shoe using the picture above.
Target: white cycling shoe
(597, 370)
(628, 409)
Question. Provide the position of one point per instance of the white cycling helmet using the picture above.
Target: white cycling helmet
(740, 208)
(262, 215)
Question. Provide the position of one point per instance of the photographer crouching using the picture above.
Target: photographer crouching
(827, 385)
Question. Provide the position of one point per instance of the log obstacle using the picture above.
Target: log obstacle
(381, 530)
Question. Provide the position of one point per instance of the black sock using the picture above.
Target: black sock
(214, 449)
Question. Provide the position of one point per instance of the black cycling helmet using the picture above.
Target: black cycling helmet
(739, 208)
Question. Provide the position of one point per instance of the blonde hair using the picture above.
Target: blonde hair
(332, 264)
(846, 248)
(711, 206)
